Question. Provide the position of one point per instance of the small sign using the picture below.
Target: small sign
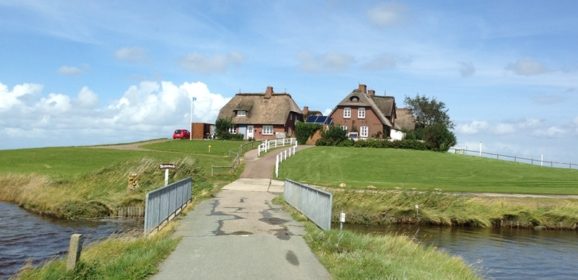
(167, 166)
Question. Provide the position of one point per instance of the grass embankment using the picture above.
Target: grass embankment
(115, 258)
(349, 255)
(92, 182)
(394, 168)
(384, 185)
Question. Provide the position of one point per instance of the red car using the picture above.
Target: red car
(181, 134)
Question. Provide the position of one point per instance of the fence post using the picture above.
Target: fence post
(74, 249)
(277, 166)
(542, 160)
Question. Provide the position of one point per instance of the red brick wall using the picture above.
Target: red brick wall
(371, 121)
(259, 132)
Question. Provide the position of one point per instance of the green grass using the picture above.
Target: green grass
(114, 258)
(87, 182)
(422, 170)
(351, 256)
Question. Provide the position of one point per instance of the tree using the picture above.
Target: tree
(428, 112)
(222, 128)
(432, 123)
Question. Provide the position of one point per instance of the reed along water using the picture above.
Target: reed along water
(498, 253)
(29, 238)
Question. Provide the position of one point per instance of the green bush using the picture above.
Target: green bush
(332, 136)
(401, 144)
(438, 138)
(305, 130)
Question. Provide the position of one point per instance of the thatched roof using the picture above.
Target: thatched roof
(260, 109)
(381, 105)
(405, 119)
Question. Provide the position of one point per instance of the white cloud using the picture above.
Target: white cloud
(216, 64)
(149, 109)
(86, 98)
(130, 54)
(386, 14)
(328, 111)
(467, 69)
(324, 62)
(504, 128)
(472, 127)
(384, 61)
(16, 97)
(552, 131)
(70, 70)
(527, 67)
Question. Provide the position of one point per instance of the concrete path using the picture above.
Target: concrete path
(240, 234)
(264, 166)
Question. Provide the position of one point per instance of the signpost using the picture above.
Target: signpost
(166, 167)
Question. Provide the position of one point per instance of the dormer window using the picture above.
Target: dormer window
(241, 113)
(354, 99)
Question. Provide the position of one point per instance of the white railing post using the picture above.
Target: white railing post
(295, 149)
(277, 166)
(285, 155)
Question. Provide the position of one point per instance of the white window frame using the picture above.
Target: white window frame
(344, 127)
(232, 130)
(267, 130)
(241, 113)
(361, 113)
(364, 131)
(346, 113)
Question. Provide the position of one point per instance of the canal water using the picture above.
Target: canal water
(28, 238)
(499, 253)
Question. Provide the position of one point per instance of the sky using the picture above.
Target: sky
(94, 72)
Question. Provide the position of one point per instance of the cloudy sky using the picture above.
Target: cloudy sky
(91, 72)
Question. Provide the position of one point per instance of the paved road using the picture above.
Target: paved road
(263, 167)
(240, 234)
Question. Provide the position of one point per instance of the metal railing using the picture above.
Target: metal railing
(313, 203)
(518, 159)
(165, 203)
(272, 144)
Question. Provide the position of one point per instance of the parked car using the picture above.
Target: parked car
(181, 134)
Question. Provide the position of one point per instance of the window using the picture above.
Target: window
(344, 127)
(363, 131)
(361, 113)
(267, 130)
(232, 130)
(241, 113)
(346, 112)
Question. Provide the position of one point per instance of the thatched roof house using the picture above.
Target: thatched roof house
(262, 116)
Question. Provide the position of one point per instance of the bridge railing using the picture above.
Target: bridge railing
(165, 203)
(272, 144)
(313, 203)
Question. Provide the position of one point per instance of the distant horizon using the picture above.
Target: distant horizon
(80, 73)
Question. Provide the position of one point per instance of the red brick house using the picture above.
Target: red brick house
(261, 116)
(363, 114)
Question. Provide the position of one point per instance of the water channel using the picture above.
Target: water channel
(28, 238)
(499, 253)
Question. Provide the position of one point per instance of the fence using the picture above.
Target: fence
(313, 203)
(272, 144)
(283, 156)
(532, 161)
(236, 160)
(164, 203)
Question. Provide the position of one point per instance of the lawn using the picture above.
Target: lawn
(422, 170)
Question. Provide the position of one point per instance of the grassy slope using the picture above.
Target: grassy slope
(90, 182)
(394, 168)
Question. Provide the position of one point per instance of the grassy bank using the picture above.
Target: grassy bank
(125, 257)
(88, 182)
(436, 208)
(367, 168)
(348, 255)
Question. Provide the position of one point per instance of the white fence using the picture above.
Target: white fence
(313, 203)
(164, 203)
(272, 144)
(283, 155)
(519, 159)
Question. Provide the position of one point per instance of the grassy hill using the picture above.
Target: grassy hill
(422, 170)
(80, 182)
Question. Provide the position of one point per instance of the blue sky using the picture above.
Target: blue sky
(90, 72)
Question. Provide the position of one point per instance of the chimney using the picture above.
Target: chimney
(305, 111)
(371, 93)
(362, 88)
(269, 92)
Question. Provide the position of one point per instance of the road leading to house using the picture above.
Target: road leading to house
(263, 167)
(240, 234)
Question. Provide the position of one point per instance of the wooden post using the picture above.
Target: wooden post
(74, 249)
